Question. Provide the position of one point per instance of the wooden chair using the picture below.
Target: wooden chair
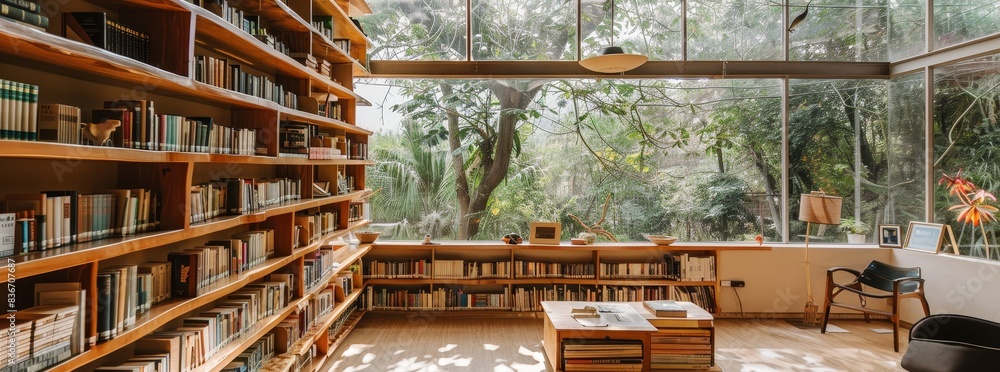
(892, 282)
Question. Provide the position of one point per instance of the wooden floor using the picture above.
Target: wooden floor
(384, 343)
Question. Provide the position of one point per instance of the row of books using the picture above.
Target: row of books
(58, 218)
(201, 337)
(633, 270)
(461, 269)
(253, 358)
(251, 24)
(295, 138)
(357, 150)
(529, 269)
(195, 269)
(324, 24)
(18, 111)
(318, 265)
(355, 210)
(344, 283)
(41, 336)
(530, 298)
(237, 196)
(414, 268)
(601, 355)
(125, 292)
(688, 267)
(383, 298)
(99, 30)
(219, 72)
(310, 228)
(27, 12)
(338, 330)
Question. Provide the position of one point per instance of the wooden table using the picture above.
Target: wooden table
(560, 325)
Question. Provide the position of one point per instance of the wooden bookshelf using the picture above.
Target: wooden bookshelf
(76, 74)
(563, 254)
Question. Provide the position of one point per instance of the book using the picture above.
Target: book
(8, 233)
(23, 15)
(58, 123)
(77, 297)
(665, 308)
(28, 5)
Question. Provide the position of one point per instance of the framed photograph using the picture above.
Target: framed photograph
(924, 236)
(890, 236)
(545, 233)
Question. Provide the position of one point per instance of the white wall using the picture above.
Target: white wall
(776, 279)
(954, 284)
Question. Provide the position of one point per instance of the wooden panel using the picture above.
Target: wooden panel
(171, 41)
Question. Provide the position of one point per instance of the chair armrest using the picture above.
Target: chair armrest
(847, 269)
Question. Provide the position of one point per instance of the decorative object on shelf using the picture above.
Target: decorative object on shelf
(974, 205)
(759, 239)
(596, 227)
(660, 239)
(578, 241)
(613, 59)
(587, 237)
(512, 238)
(856, 230)
(545, 233)
(888, 236)
(99, 134)
(928, 237)
(367, 237)
(816, 207)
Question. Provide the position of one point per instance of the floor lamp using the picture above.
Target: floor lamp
(816, 207)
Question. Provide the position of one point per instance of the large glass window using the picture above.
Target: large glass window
(734, 30)
(957, 21)
(429, 30)
(838, 30)
(907, 20)
(906, 190)
(525, 30)
(837, 144)
(652, 28)
(700, 159)
(966, 136)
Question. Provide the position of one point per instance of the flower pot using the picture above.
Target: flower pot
(855, 238)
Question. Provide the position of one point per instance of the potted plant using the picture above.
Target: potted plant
(856, 230)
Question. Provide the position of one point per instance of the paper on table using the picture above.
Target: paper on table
(592, 322)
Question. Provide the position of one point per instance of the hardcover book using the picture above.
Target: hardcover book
(665, 308)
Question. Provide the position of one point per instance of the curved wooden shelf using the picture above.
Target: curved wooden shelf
(217, 31)
(164, 312)
(565, 246)
(343, 28)
(653, 282)
(235, 348)
(62, 151)
(60, 258)
(324, 122)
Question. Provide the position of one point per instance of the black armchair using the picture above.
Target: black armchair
(892, 282)
(949, 342)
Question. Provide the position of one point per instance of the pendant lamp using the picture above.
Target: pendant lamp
(613, 59)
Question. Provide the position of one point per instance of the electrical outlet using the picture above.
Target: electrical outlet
(733, 283)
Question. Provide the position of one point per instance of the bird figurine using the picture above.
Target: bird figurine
(759, 239)
(99, 133)
(799, 18)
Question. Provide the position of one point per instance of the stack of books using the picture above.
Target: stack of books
(601, 355)
(25, 12)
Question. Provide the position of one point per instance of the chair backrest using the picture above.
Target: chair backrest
(880, 275)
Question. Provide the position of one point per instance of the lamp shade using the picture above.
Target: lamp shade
(817, 207)
(613, 60)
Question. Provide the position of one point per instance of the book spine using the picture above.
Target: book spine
(22, 15)
(23, 4)
(104, 307)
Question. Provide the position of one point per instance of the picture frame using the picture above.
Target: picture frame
(890, 236)
(545, 233)
(928, 237)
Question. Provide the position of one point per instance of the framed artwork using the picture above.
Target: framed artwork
(545, 233)
(890, 236)
(928, 237)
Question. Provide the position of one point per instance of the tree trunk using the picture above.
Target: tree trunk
(457, 161)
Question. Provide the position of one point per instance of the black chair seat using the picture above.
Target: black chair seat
(952, 343)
